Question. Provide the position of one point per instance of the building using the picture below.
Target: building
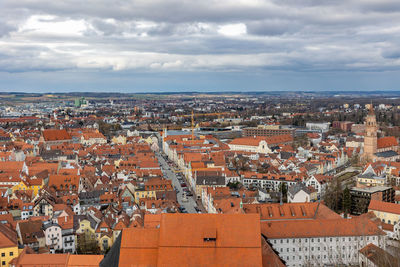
(360, 197)
(370, 138)
(375, 149)
(322, 242)
(28, 259)
(191, 240)
(55, 137)
(387, 212)
(259, 144)
(8, 245)
(369, 178)
(322, 127)
(267, 130)
(374, 256)
(299, 192)
(52, 233)
(343, 125)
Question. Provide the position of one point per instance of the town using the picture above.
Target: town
(200, 179)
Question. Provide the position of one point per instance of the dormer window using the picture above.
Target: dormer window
(209, 235)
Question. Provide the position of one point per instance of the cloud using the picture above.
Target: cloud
(209, 35)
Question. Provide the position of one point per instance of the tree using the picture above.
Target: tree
(234, 185)
(87, 244)
(346, 201)
(283, 189)
(333, 195)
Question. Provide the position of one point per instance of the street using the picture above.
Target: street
(190, 204)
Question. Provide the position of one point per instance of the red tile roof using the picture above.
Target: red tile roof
(384, 206)
(387, 141)
(56, 135)
(320, 228)
(206, 240)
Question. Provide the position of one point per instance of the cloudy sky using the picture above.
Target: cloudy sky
(208, 45)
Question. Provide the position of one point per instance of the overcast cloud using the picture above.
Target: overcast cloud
(125, 38)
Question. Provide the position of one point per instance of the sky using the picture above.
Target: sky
(208, 45)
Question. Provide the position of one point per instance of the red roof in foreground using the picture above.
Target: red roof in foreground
(205, 240)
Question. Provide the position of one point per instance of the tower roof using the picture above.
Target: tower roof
(371, 110)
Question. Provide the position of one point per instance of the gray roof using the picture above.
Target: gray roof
(387, 154)
(294, 189)
(210, 180)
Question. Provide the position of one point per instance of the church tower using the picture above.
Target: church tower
(370, 138)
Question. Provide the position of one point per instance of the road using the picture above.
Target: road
(170, 175)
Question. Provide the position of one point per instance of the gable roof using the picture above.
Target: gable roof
(384, 206)
(206, 240)
(320, 228)
(387, 141)
(56, 135)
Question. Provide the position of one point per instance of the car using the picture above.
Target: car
(189, 194)
(183, 184)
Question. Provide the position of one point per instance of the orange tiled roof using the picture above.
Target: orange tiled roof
(291, 211)
(56, 135)
(254, 141)
(320, 228)
(387, 141)
(206, 240)
(384, 206)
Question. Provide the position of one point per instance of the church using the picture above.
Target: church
(378, 149)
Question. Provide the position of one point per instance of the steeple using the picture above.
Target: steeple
(371, 109)
(370, 137)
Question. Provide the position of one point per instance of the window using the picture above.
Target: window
(11, 253)
(3, 263)
(3, 254)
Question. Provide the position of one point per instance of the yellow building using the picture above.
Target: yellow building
(144, 194)
(87, 227)
(105, 241)
(104, 236)
(387, 212)
(8, 245)
(119, 140)
(29, 184)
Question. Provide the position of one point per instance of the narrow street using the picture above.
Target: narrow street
(190, 204)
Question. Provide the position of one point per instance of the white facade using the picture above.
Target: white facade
(53, 236)
(299, 197)
(266, 183)
(312, 181)
(261, 148)
(320, 251)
